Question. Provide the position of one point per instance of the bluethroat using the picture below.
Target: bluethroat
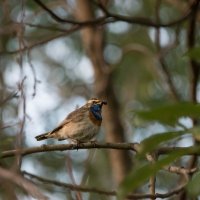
(81, 125)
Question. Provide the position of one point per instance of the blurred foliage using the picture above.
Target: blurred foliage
(192, 186)
(60, 74)
(170, 114)
(193, 53)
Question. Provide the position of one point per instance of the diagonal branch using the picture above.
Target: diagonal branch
(164, 68)
(112, 17)
(25, 184)
(195, 68)
(104, 191)
(46, 40)
(148, 22)
(61, 20)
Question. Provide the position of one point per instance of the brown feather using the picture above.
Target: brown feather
(75, 116)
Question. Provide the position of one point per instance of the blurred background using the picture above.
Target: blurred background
(136, 54)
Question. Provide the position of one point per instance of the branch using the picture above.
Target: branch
(66, 33)
(152, 181)
(29, 187)
(102, 191)
(103, 20)
(192, 150)
(195, 69)
(180, 170)
(146, 21)
(191, 43)
(63, 147)
(112, 17)
(61, 20)
(39, 26)
(9, 97)
(165, 72)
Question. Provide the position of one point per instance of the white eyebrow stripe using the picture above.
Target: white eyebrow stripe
(94, 101)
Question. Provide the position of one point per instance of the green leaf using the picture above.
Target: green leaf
(193, 186)
(169, 114)
(193, 53)
(141, 173)
(152, 142)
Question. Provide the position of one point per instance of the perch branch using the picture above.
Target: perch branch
(192, 150)
(63, 147)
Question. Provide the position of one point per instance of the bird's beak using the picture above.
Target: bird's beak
(103, 103)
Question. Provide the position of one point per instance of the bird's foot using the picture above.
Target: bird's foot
(94, 143)
(78, 144)
(75, 144)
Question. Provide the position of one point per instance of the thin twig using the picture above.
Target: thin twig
(61, 20)
(112, 17)
(35, 81)
(9, 97)
(195, 68)
(39, 43)
(152, 180)
(71, 174)
(164, 68)
(180, 170)
(49, 28)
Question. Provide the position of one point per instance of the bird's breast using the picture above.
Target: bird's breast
(94, 120)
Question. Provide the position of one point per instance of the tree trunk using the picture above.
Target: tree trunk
(93, 42)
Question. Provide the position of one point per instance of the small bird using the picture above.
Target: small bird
(81, 125)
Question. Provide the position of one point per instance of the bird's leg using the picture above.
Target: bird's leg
(77, 144)
(94, 142)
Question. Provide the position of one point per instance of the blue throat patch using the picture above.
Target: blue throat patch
(96, 111)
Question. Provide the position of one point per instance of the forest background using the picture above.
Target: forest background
(142, 56)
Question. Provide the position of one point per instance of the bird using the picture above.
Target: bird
(81, 125)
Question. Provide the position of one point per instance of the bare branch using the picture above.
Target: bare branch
(108, 19)
(112, 17)
(180, 170)
(49, 28)
(29, 187)
(61, 20)
(146, 21)
(152, 181)
(39, 43)
(63, 147)
(195, 68)
(164, 69)
(103, 191)
(9, 97)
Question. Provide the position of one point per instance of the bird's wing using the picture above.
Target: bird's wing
(75, 116)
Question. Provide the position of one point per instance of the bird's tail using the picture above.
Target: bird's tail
(43, 136)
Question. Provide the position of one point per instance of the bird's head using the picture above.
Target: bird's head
(96, 103)
(95, 106)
